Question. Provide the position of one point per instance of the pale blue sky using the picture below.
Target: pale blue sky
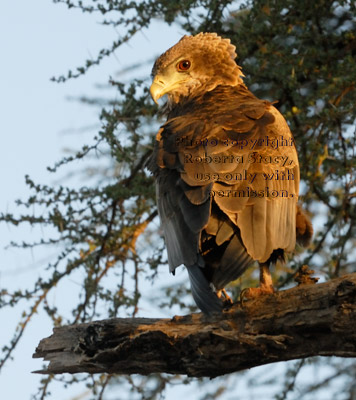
(39, 39)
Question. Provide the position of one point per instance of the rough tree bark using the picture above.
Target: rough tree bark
(304, 321)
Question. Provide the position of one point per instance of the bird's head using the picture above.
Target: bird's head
(194, 65)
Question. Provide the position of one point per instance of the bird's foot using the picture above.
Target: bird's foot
(225, 298)
(252, 293)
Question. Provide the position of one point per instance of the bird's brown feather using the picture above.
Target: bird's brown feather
(199, 129)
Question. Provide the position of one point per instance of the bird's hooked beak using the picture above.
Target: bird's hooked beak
(157, 88)
(163, 84)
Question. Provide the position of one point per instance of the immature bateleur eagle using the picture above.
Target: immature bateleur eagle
(226, 169)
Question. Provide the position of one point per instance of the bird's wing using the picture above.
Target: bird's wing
(224, 146)
(183, 210)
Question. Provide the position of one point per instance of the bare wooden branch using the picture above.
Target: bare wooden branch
(305, 321)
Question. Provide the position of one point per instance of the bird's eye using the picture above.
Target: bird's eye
(183, 65)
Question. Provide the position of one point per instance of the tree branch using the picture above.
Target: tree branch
(305, 321)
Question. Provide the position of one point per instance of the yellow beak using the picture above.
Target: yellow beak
(165, 83)
(157, 88)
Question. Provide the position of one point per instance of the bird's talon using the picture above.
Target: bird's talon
(225, 298)
(251, 293)
(242, 295)
(228, 303)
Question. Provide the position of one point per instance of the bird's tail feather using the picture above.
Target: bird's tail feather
(203, 294)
